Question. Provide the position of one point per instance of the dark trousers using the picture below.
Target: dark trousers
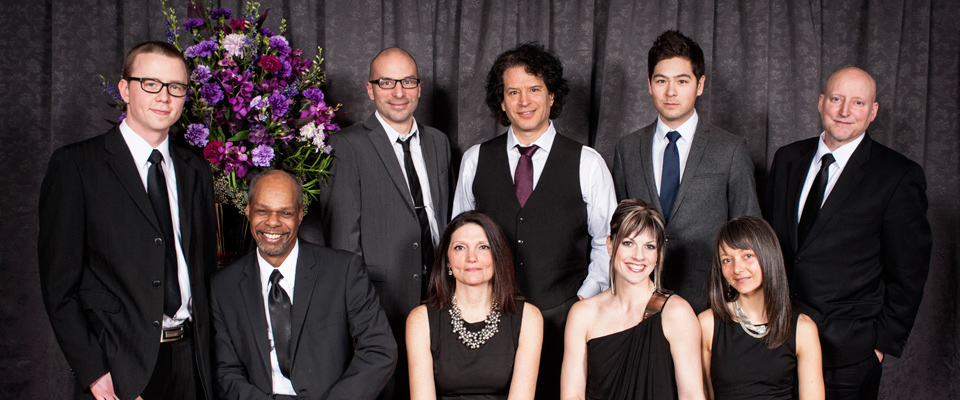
(551, 354)
(854, 382)
(175, 374)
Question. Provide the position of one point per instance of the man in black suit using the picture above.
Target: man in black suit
(126, 245)
(293, 320)
(850, 214)
(390, 195)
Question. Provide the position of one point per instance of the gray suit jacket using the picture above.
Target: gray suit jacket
(368, 210)
(717, 185)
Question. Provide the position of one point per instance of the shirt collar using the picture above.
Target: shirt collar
(392, 134)
(686, 130)
(842, 154)
(544, 142)
(140, 149)
(288, 268)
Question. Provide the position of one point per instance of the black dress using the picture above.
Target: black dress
(742, 367)
(460, 372)
(634, 363)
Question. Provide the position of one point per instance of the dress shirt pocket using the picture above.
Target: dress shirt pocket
(99, 300)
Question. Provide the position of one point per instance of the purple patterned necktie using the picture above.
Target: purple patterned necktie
(523, 176)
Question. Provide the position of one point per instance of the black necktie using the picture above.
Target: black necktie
(280, 316)
(157, 191)
(814, 198)
(670, 176)
(426, 239)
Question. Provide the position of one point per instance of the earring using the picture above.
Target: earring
(449, 271)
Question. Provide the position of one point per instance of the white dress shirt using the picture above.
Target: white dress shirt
(288, 268)
(660, 142)
(141, 150)
(417, 154)
(596, 187)
(842, 155)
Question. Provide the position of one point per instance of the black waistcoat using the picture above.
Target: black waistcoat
(548, 236)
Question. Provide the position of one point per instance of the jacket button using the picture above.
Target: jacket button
(416, 277)
(158, 241)
(521, 264)
(156, 324)
(519, 241)
(416, 245)
(797, 260)
(521, 219)
(156, 283)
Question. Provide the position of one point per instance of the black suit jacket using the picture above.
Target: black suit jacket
(860, 272)
(341, 341)
(101, 259)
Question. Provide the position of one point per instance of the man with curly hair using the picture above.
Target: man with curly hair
(551, 195)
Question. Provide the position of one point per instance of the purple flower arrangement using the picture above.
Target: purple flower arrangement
(254, 101)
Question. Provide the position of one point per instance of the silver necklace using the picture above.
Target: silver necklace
(757, 331)
(474, 340)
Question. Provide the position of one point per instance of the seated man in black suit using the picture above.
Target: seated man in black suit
(850, 214)
(332, 342)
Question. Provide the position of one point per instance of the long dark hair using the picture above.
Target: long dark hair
(755, 234)
(634, 216)
(505, 289)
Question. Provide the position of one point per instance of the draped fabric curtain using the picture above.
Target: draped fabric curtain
(766, 64)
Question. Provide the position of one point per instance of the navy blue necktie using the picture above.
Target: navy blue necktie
(157, 191)
(670, 176)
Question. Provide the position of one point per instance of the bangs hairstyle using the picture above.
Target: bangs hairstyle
(672, 44)
(154, 47)
(633, 217)
(536, 61)
(754, 234)
(442, 286)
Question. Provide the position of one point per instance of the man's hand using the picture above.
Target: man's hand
(879, 354)
(102, 388)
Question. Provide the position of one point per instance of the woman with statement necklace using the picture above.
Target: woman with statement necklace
(754, 344)
(634, 340)
(473, 338)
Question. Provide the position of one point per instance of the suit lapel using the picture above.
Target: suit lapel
(700, 140)
(378, 139)
(252, 295)
(186, 182)
(307, 274)
(428, 150)
(849, 179)
(127, 172)
(646, 152)
(797, 172)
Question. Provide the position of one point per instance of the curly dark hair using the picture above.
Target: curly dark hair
(536, 61)
(672, 44)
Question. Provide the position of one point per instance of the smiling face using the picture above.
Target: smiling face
(469, 256)
(150, 115)
(674, 89)
(636, 257)
(275, 215)
(741, 269)
(395, 105)
(527, 102)
(847, 106)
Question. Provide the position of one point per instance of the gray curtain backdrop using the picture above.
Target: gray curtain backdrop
(766, 64)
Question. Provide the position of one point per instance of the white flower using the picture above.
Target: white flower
(233, 44)
(309, 131)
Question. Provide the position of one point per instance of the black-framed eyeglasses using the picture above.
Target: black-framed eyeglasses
(154, 86)
(406, 83)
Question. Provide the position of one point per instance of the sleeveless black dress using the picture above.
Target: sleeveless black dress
(742, 367)
(634, 363)
(462, 373)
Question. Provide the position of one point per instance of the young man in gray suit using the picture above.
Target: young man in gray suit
(696, 174)
(390, 195)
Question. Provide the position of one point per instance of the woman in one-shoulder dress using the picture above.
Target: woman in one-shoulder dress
(634, 340)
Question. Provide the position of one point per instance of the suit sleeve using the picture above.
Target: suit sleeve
(905, 259)
(376, 349)
(619, 184)
(232, 378)
(340, 203)
(61, 261)
(742, 189)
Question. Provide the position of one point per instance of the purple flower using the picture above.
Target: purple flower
(262, 156)
(280, 44)
(192, 23)
(266, 32)
(202, 49)
(259, 135)
(221, 13)
(315, 95)
(257, 103)
(201, 74)
(211, 93)
(278, 103)
(197, 135)
(270, 63)
(122, 116)
(235, 158)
